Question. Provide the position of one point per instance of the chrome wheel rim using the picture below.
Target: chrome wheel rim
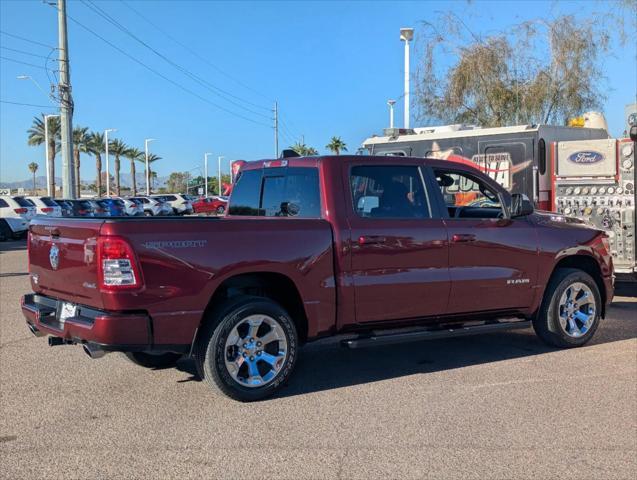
(577, 310)
(255, 351)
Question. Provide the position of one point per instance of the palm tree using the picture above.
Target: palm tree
(96, 145)
(303, 150)
(81, 144)
(33, 167)
(36, 137)
(336, 145)
(118, 149)
(133, 154)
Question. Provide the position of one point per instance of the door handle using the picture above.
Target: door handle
(463, 237)
(371, 240)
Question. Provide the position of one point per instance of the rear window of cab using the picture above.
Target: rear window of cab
(277, 192)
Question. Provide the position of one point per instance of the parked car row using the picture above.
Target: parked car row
(17, 211)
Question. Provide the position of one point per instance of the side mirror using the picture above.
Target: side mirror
(290, 209)
(521, 206)
(633, 133)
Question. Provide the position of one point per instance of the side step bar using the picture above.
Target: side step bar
(419, 335)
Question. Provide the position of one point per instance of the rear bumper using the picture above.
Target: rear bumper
(109, 330)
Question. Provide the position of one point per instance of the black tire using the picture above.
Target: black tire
(149, 360)
(148, 213)
(546, 323)
(209, 349)
(221, 210)
(5, 231)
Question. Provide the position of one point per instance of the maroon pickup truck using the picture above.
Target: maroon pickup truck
(374, 249)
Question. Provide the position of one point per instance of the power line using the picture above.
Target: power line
(201, 58)
(25, 39)
(21, 62)
(23, 52)
(26, 104)
(214, 89)
(178, 85)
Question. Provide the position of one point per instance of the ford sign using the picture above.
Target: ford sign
(586, 157)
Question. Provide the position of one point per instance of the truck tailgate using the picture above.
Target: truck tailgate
(62, 259)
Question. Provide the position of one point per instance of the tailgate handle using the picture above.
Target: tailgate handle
(55, 233)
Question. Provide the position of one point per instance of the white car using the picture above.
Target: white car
(15, 215)
(46, 206)
(180, 204)
(154, 207)
(132, 206)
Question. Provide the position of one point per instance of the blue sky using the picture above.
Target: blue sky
(330, 65)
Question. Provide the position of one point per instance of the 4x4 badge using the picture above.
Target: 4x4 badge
(54, 256)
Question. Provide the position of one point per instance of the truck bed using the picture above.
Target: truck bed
(182, 262)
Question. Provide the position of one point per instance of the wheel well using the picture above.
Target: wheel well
(275, 286)
(588, 265)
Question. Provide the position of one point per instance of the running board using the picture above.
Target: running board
(419, 335)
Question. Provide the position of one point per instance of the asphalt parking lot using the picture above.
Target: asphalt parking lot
(491, 406)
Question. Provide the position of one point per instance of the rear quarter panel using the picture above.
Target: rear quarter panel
(183, 262)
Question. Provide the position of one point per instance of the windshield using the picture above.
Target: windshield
(23, 202)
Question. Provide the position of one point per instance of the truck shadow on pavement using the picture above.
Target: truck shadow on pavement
(12, 245)
(328, 366)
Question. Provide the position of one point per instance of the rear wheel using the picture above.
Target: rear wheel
(248, 349)
(571, 309)
(154, 360)
(148, 213)
(221, 210)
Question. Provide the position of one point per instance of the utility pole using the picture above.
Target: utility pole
(66, 106)
(205, 172)
(276, 129)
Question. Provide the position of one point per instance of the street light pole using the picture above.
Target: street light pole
(108, 171)
(50, 172)
(391, 104)
(205, 172)
(219, 172)
(406, 34)
(146, 141)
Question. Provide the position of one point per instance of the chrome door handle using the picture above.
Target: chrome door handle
(371, 240)
(463, 237)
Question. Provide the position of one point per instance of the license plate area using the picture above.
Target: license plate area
(65, 311)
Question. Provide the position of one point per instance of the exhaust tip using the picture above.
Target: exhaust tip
(54, 341)
(35, 331)
(93, 352)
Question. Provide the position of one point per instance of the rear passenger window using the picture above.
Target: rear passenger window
(388, 192)
(280, 192)
(23, 202)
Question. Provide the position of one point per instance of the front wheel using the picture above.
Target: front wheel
(148, 213)
(248, 349)
(154, 360)
(570, 311)
(221, 210)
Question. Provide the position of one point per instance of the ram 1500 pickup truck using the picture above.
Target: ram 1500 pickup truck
(375, 250)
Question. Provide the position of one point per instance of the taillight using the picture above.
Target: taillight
(20, 211)
(47, 209)
(117, 265)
